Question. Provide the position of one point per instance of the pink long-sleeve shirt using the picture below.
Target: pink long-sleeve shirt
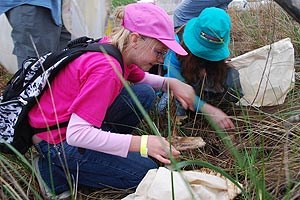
(86, 88)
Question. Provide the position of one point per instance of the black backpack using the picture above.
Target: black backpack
(26, 86)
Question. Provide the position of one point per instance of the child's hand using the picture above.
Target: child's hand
(218, 116)
(159, 148)
(183, 92)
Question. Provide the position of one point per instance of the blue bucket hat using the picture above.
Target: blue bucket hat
(208, 35)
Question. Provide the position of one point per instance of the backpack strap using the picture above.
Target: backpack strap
(77, 50)
(81, 41)
(90, 44)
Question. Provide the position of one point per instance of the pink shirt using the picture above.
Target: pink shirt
(87, 87)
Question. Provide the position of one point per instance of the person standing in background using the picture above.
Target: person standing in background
(189, 9)
(39, 19)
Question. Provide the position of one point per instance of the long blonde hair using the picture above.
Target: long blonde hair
(119, 35)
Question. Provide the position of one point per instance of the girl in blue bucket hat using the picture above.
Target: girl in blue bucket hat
(206, 39)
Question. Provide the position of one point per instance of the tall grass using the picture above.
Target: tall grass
(269, 145)
(261, 153)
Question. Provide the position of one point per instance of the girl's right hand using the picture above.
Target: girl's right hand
(159, 148)
(183, 92)
(218, 116)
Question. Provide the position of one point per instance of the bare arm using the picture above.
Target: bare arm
(218, 116)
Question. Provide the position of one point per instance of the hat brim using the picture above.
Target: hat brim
(174, 46)
(198, 49)
(213, 55)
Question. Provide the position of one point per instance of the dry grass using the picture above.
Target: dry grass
(260, 26)
(269, 149)
(265, 144)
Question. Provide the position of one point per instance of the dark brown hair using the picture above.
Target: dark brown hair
(195, 69)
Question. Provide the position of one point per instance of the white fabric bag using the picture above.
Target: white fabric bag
(156, 185)
(7, 59)
(267, 74)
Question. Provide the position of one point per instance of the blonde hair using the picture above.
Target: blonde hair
(119, 35)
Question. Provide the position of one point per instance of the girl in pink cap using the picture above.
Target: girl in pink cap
(97, 149)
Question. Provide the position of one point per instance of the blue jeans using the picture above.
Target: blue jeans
(163, 102)
(97, 169)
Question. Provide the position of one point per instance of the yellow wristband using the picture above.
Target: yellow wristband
(143, 147)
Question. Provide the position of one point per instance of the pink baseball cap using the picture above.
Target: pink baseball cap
(152, 21)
